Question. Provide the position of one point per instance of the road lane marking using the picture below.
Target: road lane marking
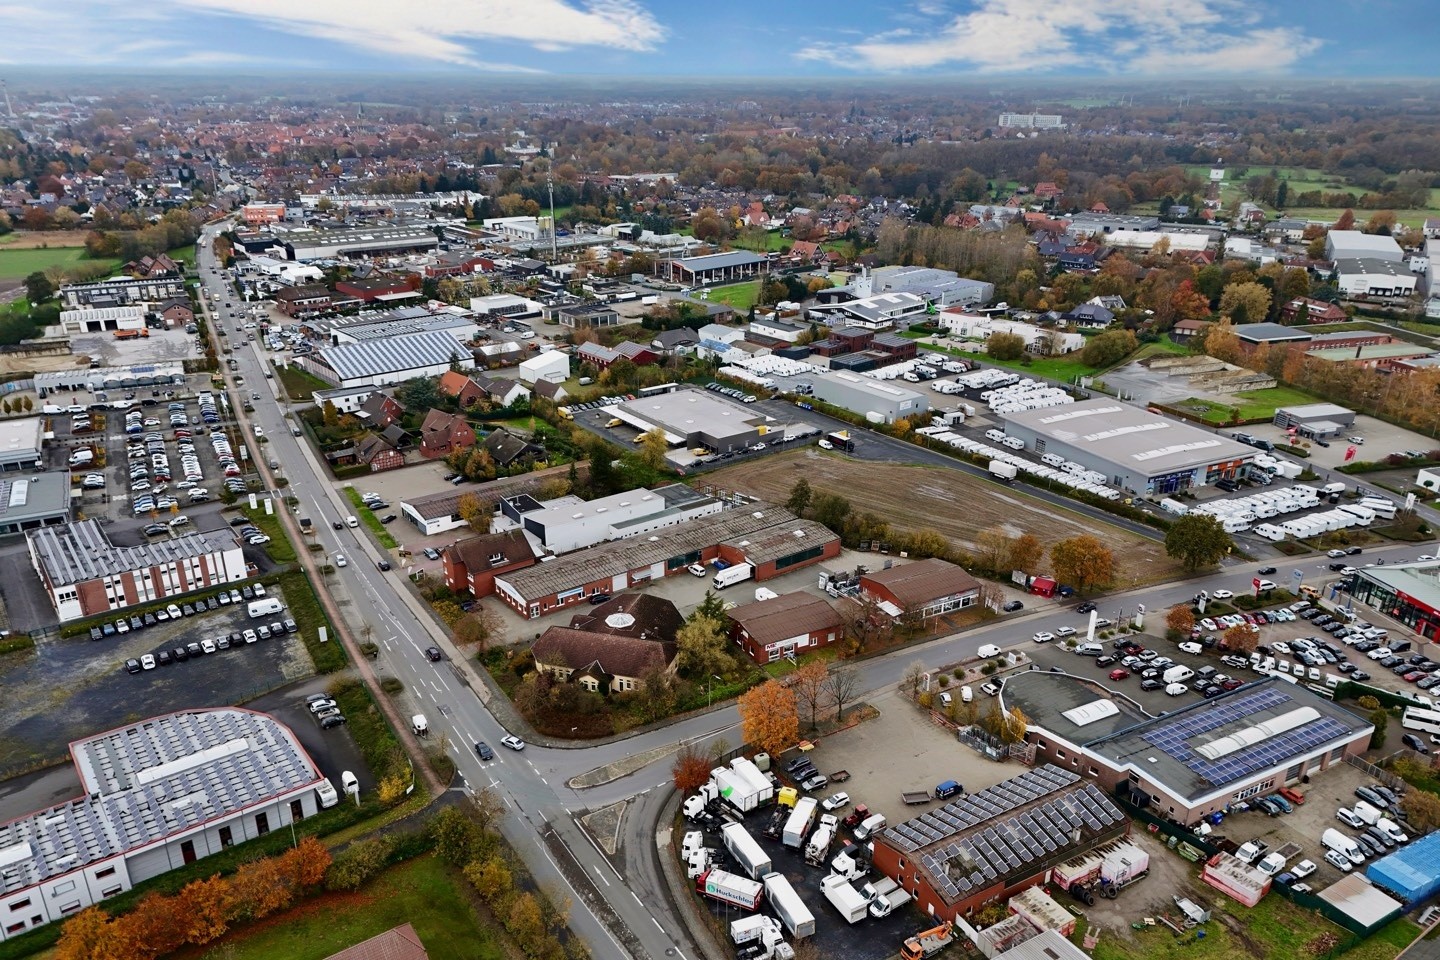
(599, 874)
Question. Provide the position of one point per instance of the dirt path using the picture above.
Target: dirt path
(953, 503)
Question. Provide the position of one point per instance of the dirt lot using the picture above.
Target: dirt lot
(32, 240)
(955, 504)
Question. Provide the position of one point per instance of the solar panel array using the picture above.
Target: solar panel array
(1174, 738)
(120, 813)
(973, 842)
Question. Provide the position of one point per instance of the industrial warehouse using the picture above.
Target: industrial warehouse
(695, 418)
(1137, 451)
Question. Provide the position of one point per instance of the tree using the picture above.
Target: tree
(1189, 303)
(478, 627)
(1026, 552)
(842, 684)
(1282, 193)
(457, 838)
(1197, 541)
(1083, 561)
(690, 770)
(864, 620)
(1222, 343)
(913, 678)
(1241, 638)
(526, 923)
(1109, 348)
(328, 414)
(474, 511)
(993, 549)
(1381, 721)
(1005, 346)
(1346, 220)
(653, 447)
(799, 499)
(768, 718)
(830, 510)
(1381, 222)
(1012, 725)
(701, 646)
(39, 287)
(809, 685)
(490, 877)
(1252, 297)
(85, 935)
(1179, 619)
(1421, 808)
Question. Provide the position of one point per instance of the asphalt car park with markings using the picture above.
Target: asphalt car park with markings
(74, 686)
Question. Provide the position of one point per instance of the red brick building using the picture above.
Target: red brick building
(796, 623)
(373, 288)
(473, 563)
(303, 300)
(373, 450)
(465, 390)
(926, 588)
(1305, 310)
(441, 434)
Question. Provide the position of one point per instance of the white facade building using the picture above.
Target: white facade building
(977, 327)
(551, 365)
(1031, 121)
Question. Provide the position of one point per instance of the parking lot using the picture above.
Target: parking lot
(72, 687)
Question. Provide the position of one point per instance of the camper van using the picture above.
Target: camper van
(265, 607)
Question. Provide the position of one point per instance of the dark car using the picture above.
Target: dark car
(1415, 743)
(383, 564)
(194, 649)
(1266, 571)
(1369, 795)
(337, 524)
(1150, 683)
(96, 633)
(388, 518)
(239, 521)
(1360, 675)
(132, 666)
(1390, 796)
(432, 654)
(180, 653)
(164, 659)
(483, 751)
(1012, 606)
(1085, 607)
(598, 598)
(334, 721)
(1104, 660)
(1353, 551)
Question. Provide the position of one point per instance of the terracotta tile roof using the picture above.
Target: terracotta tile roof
(397, 943)
(783, 617)
(606, 653)
(922, 581)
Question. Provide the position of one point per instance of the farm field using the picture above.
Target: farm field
(17, 263)
(953, 503)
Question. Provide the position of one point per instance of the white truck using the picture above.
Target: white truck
(801, 818)
(788, 906)
(731, 575)
(420, 725)
(884, 896)
(844, 898)
(749, 856)
(1001, 470)
(849, 867)
(818, 846)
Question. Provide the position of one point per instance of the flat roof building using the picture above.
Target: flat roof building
(569, 523)
(321, 244)
(771, 538)
(156, 795)
(880, 311)
(1137, 451)
(1316, 419)
(992, 844)
(713, 267)
(85, 574)
(121, 292)
(1407, 592)
(1352, 244)
(865, 395)
(1374, 277)
(22, 442)
(102, 319)
(1194, 761)
(37, 500)
(693, 418)
(942, 288)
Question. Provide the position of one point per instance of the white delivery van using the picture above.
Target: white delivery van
(82, 456)
(1176, 689)
(1177, 674)
(1366, 812)
(1333, 839)
(987, 651)
(264, 608)
(870, 827)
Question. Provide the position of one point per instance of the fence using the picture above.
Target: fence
(1379, 773)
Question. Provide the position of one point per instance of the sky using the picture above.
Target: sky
(741, 38)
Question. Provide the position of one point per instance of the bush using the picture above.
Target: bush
(1368, 703)
(944, 680)
(360, 863)
(989, 668)
(959, 673)
(391, 684)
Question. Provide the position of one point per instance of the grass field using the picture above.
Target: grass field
(1275, 929)
(741, 296)
(19, 264)
(773, 242)
(1253, 404)
(419, 892)
(955, 504)
(371, 521)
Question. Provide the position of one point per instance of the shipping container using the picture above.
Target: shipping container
(748, 854)
(788, 906)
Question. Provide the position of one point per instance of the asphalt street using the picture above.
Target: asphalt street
(533, 783)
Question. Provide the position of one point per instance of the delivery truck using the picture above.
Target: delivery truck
(1002, 470)
(788, 906)
(731, 575)
(885, 896)
(844, 898)
(797, 828)
(749, 856)
(730, 888)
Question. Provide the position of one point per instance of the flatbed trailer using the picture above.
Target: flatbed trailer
(916, 796)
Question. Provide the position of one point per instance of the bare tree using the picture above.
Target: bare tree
(914, 676)
(843, 685)
(809, 685)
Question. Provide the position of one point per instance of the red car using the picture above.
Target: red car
(1119, 673)
(1232, 684)
(1294, 796)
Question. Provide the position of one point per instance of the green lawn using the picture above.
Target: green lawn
(741, 296)
(372, 522)
(419, 892)
(280, 548)
(19, 264)
(774, 240)
(299, 384)
(1253, 404)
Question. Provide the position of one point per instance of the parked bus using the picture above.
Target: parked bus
(1421, 718)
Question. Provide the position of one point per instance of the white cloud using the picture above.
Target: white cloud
(1115, 36)
(178, 33)
(440, 29)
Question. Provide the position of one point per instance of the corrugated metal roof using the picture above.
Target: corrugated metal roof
(351, 361)
(716, 261)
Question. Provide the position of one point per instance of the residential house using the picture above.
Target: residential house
(1303, 310)
(176, 312)
(148, 268)
(463, 388)
(376, 451)
(441, 434)
(638, 354)
(473, 563)
(508, 450)
(397, 943)
(380, 411)
(1186, 329)
(681, 340)
(597, 356)
(549, 390)
(502, 390)
(303, 300)
(1089, 315)
(794, 623)
(641, 615)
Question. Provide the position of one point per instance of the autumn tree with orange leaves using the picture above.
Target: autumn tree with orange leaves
(768, 717)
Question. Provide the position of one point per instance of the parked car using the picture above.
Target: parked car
(513, 742)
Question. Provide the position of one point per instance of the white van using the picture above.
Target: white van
(1176, 689)
(1178, 674)
(1367, 813)
(987, 651)
(82, 456)
(870, 827)
(1333, 839)
(265, 607)
(1392, 830)
(350, 521)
